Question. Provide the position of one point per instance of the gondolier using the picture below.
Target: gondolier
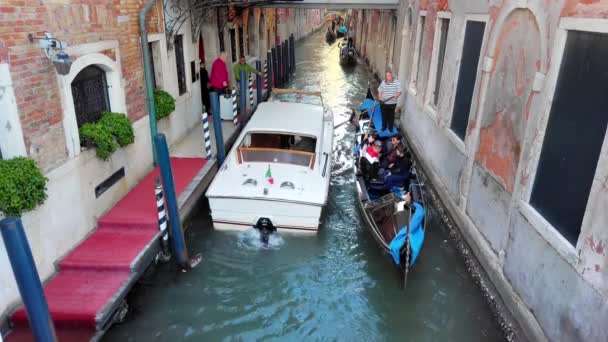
(388, 94)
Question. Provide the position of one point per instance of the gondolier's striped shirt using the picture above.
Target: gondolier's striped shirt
(389, 91)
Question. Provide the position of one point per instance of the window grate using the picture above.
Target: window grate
(179, 59)
(90, 94)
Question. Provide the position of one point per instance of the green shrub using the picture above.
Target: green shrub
(121, 127)
(102, 137)
(164, 102)
(22, 186)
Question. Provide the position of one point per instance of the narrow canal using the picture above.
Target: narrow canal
(336, 285)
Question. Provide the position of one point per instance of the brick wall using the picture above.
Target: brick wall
(34, 77)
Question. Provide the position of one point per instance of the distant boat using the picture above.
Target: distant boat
(330, 36)
(397, 225)
(348, 55)
(342, 31)
(276, 176)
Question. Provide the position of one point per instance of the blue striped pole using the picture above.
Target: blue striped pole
(177, 234)
(162, 220)
(235, 111)
(28, 281)
(206, 134)
(214, 98)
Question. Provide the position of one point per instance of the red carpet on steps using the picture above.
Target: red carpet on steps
(94, 271)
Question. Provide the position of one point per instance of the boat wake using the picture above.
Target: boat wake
(251, 239)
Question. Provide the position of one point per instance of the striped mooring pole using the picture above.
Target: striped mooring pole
(235, 112)
(251, 104)
(207, 134)
(264, 81)
(162, 221)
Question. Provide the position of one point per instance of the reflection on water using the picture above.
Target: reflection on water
(335, 285)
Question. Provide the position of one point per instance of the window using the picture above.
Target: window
(90, 94)
(278, 148)
(241, 44)
(233, 44)
(155, 56)
(251, 46)
(179, 60)
(441, 37)
(471, 51)
(568, 160)
(418, 52)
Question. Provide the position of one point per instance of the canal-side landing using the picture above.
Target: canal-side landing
(92, 281)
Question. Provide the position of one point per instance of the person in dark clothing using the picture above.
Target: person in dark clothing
(391, 152)
(398, 174)
(205, 85)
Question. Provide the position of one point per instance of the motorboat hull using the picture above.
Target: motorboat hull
(244, 213)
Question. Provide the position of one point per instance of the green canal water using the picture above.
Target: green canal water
(334, 286)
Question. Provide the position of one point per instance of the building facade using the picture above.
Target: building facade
(504, 103)
(42, 110)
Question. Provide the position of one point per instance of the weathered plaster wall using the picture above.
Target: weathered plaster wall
(557, 291)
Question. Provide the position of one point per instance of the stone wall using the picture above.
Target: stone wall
(557, 290)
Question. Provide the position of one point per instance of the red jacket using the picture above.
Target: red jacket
(371, 154)
(219, 74)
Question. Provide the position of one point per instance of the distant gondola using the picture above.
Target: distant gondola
(395, 217)
(330, 36)
(348, 54)
(341, 31)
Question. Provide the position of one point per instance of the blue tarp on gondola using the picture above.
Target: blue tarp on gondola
(416, 236)
(376, 115)
(342, 29)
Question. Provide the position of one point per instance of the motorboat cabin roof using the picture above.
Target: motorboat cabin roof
(276, 116)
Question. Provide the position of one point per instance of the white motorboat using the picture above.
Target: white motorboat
(276, 175)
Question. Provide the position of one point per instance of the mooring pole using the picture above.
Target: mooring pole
(147, 61)
(177, 235)
(285, 61)
(292, 44)
(243, 96)
(274, 68)
(28, 281)
(279, 65)
(258, 82)
(269, 73)
(214, 98)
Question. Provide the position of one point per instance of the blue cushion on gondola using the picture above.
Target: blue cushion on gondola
(416, 236)
(376, 115)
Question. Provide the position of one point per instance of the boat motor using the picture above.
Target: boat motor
(266, 228)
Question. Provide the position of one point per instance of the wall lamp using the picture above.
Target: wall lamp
(54, 50)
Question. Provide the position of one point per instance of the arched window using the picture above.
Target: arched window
(251, 35)
(90, 93)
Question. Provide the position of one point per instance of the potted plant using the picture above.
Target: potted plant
(113, 130)
(164, 102)
(22, 186)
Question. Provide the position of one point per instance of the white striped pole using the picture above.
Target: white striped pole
(162, 220)
(251, 90)
(235, 111)
(207, 135)
(265, 85)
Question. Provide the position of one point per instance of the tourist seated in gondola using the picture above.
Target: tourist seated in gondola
(390, 155)
(370, 161)
(398, 172)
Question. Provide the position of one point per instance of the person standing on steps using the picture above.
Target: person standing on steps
(219, 74)
(388, 95)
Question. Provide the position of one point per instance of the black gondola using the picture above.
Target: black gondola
(330, 36)
(348, 54)
(394, 217)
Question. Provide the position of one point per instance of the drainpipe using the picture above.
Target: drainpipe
(148, 73)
